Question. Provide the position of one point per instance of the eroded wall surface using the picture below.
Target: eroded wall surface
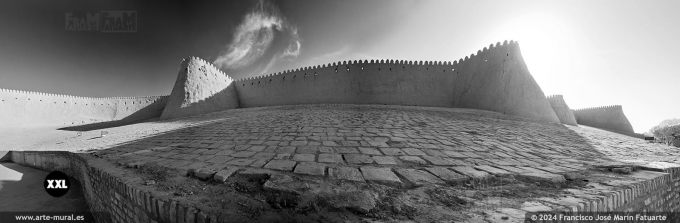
(609, 118)
(495, 79)
(200, 88)
(29, 109)
(562, 110)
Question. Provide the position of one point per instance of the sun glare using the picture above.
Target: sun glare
(546, 48)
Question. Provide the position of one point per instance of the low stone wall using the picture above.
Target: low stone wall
(656, 195)
(113, 198)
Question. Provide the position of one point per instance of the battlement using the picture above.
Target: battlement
(610, 117)
(210, 65)
(485, 52)
(555, 97)
(561, 109)
(407, 82)
(600, 108)
(66, 96)
(31, 108)
(200, 87)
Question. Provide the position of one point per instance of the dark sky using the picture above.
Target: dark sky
(39, 54)
(593, 52)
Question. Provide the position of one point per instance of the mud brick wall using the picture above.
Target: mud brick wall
(200, 88)
(29, 109)
(657, 195)
(110, 197)
(609, 118)
(495, 79)
(562, 110)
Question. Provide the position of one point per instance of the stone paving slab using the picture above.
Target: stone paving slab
(280, 165)
(413, 159)
(310, 168)
(492, 170)
(330, 158)
(513, 169)
(532, 172)
(304, 157)
(447, 175)
(346, 173)
(385, 160)
(418, 177)
(381, 175)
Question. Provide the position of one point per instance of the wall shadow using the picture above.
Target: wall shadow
(28, 194)
(609, 118)
(631, 134)
(224, 99)
(149, 113)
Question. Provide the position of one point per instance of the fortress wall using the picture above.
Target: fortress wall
(200, 88)
(139, 108)
(609, 118)
(26, 109)
(496, 79)
(352, 82)
(562, 110)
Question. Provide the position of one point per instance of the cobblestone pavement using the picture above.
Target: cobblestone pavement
(389, 145)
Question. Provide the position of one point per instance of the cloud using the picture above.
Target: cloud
(255, 36)
(291, 52)
(293, 49)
